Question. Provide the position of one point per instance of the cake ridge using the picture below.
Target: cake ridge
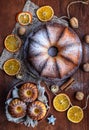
(48, 62)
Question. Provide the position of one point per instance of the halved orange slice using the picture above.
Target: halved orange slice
(24, 18)
(45, 13)
(75, 114)
(61, 102)
(12, 67)
(12, 43)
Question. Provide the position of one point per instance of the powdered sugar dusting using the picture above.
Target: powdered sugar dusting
(35, 48)
(9, 117)
(42, 38)
(27, 121)
(30, 7)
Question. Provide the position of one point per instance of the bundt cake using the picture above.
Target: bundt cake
(17, 108)
(28, 92)
(52, 51)
(37, 110)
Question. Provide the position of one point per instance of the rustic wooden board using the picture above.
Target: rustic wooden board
(8, 11)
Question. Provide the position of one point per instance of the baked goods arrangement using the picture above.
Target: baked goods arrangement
(27, 103)
(51, 53)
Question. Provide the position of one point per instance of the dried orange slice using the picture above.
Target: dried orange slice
(45, 13)
(75, 114)
(12, 43)
(24, 18)
(12, 67)
(61, 102)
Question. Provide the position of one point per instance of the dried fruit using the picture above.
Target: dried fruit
(74, 22)
(61, 102)
(45, 13)
(79, 96)
(75, 114)
(12, 67)
(24, 18)
(22, 30)
(12, 43)
(86, 67)
(86, 39)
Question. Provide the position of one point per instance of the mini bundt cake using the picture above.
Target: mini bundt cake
(17, 108)
(28, 92)
(37, 110)
(52, 51)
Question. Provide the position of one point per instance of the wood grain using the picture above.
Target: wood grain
(8, 11)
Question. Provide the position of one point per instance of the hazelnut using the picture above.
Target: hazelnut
(79, 96)
(86, 67)
(74, 22)
(54, 88)
(87, 39)
(22, 30)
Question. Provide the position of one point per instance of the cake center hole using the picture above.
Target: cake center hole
(28, 93)
(36, 111)
(53, 51)
(19, 109)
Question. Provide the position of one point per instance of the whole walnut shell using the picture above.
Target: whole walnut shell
(74, 22)
(86, 67)
(79, 96)
(86, 39)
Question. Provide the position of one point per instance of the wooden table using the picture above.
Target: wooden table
(8, 11)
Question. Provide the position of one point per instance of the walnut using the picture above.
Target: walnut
(86, 39)
(74, 22)
(86, 67)
(79, 96)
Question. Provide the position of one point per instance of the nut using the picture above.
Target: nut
(22, 30)
(86, 67)
(86, 39)
(74, 22)
(79, 96)
(19, 76)
(54, 88)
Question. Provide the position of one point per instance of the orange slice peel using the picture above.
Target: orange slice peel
(12, 43)
(24, 18)
(45, 13)
(61, 102)
(11, 67)
(75, 114)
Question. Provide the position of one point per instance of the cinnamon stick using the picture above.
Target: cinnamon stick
(67, 85)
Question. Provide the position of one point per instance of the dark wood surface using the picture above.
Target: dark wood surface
(8, 11)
